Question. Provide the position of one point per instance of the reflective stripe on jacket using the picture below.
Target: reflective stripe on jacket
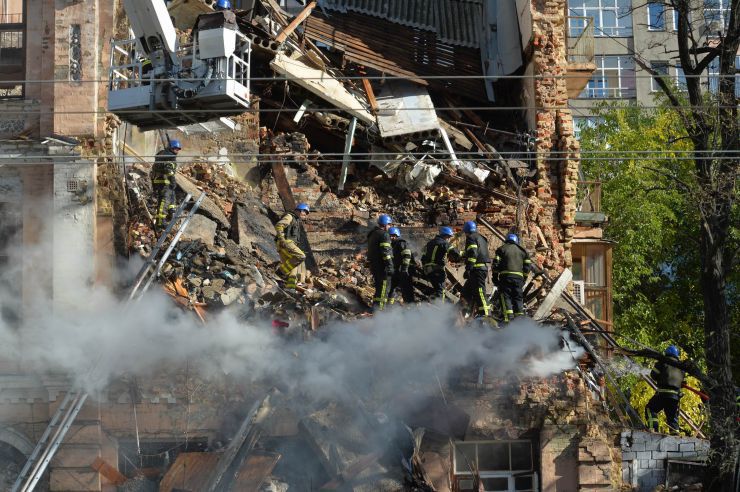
(379, 251)
(402, 255)
(165, 167)
(289, 228)
(512, 259)
(476, 252)
(436, 252)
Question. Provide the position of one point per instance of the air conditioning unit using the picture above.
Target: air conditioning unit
(579, 291)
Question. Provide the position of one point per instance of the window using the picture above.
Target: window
(504, 466)
(10, 273)
(675, 19)
(713, 76)
(611, 17)
(12, 48)
(716, 15)
(592, 266)
(614, 78)
(680, 79)
(581, 123)
(656, 16)
(661, 67)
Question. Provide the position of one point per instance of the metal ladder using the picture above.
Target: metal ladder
(67, 412)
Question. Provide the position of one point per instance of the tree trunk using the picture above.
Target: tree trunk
(713, 242)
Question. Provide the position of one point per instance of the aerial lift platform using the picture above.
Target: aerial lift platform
(159, 81)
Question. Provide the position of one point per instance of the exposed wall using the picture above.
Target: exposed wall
(645, 456)
(557, 149)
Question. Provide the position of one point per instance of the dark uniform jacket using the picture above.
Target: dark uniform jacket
(379, 251)
(289, 228)
(512, 259)
(401, 256)
(668, 378)
(476, 252)
(165, 167)
(435, 254)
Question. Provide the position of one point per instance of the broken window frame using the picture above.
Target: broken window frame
(462, 471)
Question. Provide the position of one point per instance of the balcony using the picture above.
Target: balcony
(581, 64)
(588, 208)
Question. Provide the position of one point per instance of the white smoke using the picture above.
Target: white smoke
(94, 337)
(103, 339)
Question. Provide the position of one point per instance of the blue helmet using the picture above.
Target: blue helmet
(175, 144)
(385, 220)
(672, 351)
(512, 238)
(394, 231)
(303, 206)
(470, 227)
(446, 231)
(223, 5)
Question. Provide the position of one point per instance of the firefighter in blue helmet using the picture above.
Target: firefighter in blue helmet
(434, 260)
(163, 182)
(289, 235)
(669, 380)
(402, 260)
(510, 266)
(380, 256)
(476, 269)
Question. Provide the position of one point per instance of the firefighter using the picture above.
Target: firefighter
(402, 259)
(511, 265)
(163, 182)
(289, 234)
(380, 255)
(434, 260)
(669, 380)
(476, 269)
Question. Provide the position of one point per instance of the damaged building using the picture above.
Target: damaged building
(434, 112)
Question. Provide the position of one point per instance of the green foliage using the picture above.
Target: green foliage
(639, 155)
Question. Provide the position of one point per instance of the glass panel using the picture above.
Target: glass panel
(496, 484)
(595, 267)
(609, 18)
(577, 269)
(680, 79)
(493, 456)
(524, 483)
(656, 16)
(521, 456)
(661, 68)
(595, 305)
(465, 484)
(464, 457)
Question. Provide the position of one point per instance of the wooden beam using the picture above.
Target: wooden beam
(287, 31)
(370, 96)
(109, 472)
(552, 297)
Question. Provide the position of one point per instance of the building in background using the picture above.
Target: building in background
(622, 28)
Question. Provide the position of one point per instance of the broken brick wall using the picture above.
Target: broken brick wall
(553, 204)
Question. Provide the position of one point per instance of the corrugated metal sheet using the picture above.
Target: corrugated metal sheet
(404, 51)
(457, 22)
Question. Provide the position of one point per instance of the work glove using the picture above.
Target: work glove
(389, 270)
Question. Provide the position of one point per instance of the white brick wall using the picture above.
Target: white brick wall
(644, 456)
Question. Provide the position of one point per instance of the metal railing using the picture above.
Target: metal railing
(580, 47)
(589, 196)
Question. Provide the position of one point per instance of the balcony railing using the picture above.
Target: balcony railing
(589, 196)
(581, 47)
